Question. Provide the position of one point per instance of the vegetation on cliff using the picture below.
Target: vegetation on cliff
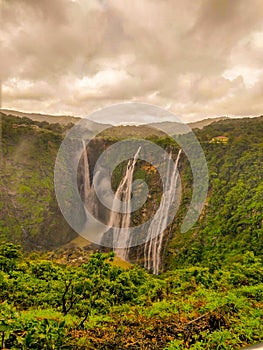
(29, 211)
(209, 295)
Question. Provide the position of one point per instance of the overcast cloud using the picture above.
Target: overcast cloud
(196, 58)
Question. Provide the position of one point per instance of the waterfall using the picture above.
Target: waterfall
(90, 200)
(153, 245)
(86, 182)
(120, 216)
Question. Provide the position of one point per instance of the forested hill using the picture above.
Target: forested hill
(29, 211)
(209, 297)
(233, 217)
(230, 224)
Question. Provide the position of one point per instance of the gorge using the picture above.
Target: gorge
(120, 216)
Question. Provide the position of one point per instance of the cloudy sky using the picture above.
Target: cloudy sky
(195, 58)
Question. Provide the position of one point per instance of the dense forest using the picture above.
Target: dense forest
(232, 221)
(29, 211)
(209, 294)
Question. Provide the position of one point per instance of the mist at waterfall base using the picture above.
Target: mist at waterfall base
(119, 218)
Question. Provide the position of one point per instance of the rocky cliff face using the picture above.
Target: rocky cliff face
(230, 224)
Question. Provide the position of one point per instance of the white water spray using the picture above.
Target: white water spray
(120, 216)
(90, 200)
(86, 183)
(153, 245)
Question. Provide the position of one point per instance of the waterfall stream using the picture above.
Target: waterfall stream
(90, 200)
(86, 181)
(120, 216)
(153, 245)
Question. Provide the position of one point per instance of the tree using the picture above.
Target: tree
(9, 256)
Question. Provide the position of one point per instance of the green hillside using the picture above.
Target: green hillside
(29, 212)
(209, 295)
(232, 221)
(230, 224)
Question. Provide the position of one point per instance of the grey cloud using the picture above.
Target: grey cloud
(82, 55)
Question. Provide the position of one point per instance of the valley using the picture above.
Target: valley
(199, 289)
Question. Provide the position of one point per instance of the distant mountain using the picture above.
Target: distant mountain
(171, 128)
(200, 124)
(65, 119)
(180, 128)
(52, 119)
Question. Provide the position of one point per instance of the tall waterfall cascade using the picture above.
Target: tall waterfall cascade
(90, 202)
(120, 216)
(86, 184)
(153, 245)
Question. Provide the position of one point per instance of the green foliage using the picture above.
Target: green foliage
(231, 222)
(29, 213)
(45, 305)
(209, 298)
(9, 256)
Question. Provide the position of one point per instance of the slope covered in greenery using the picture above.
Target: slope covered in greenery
(96, 305)
(230, 224)
(232, 221)
(210, 293)
(29, 212)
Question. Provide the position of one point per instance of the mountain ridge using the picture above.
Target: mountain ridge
(66, 119)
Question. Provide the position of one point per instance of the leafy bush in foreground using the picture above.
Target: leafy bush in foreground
(97, 305)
